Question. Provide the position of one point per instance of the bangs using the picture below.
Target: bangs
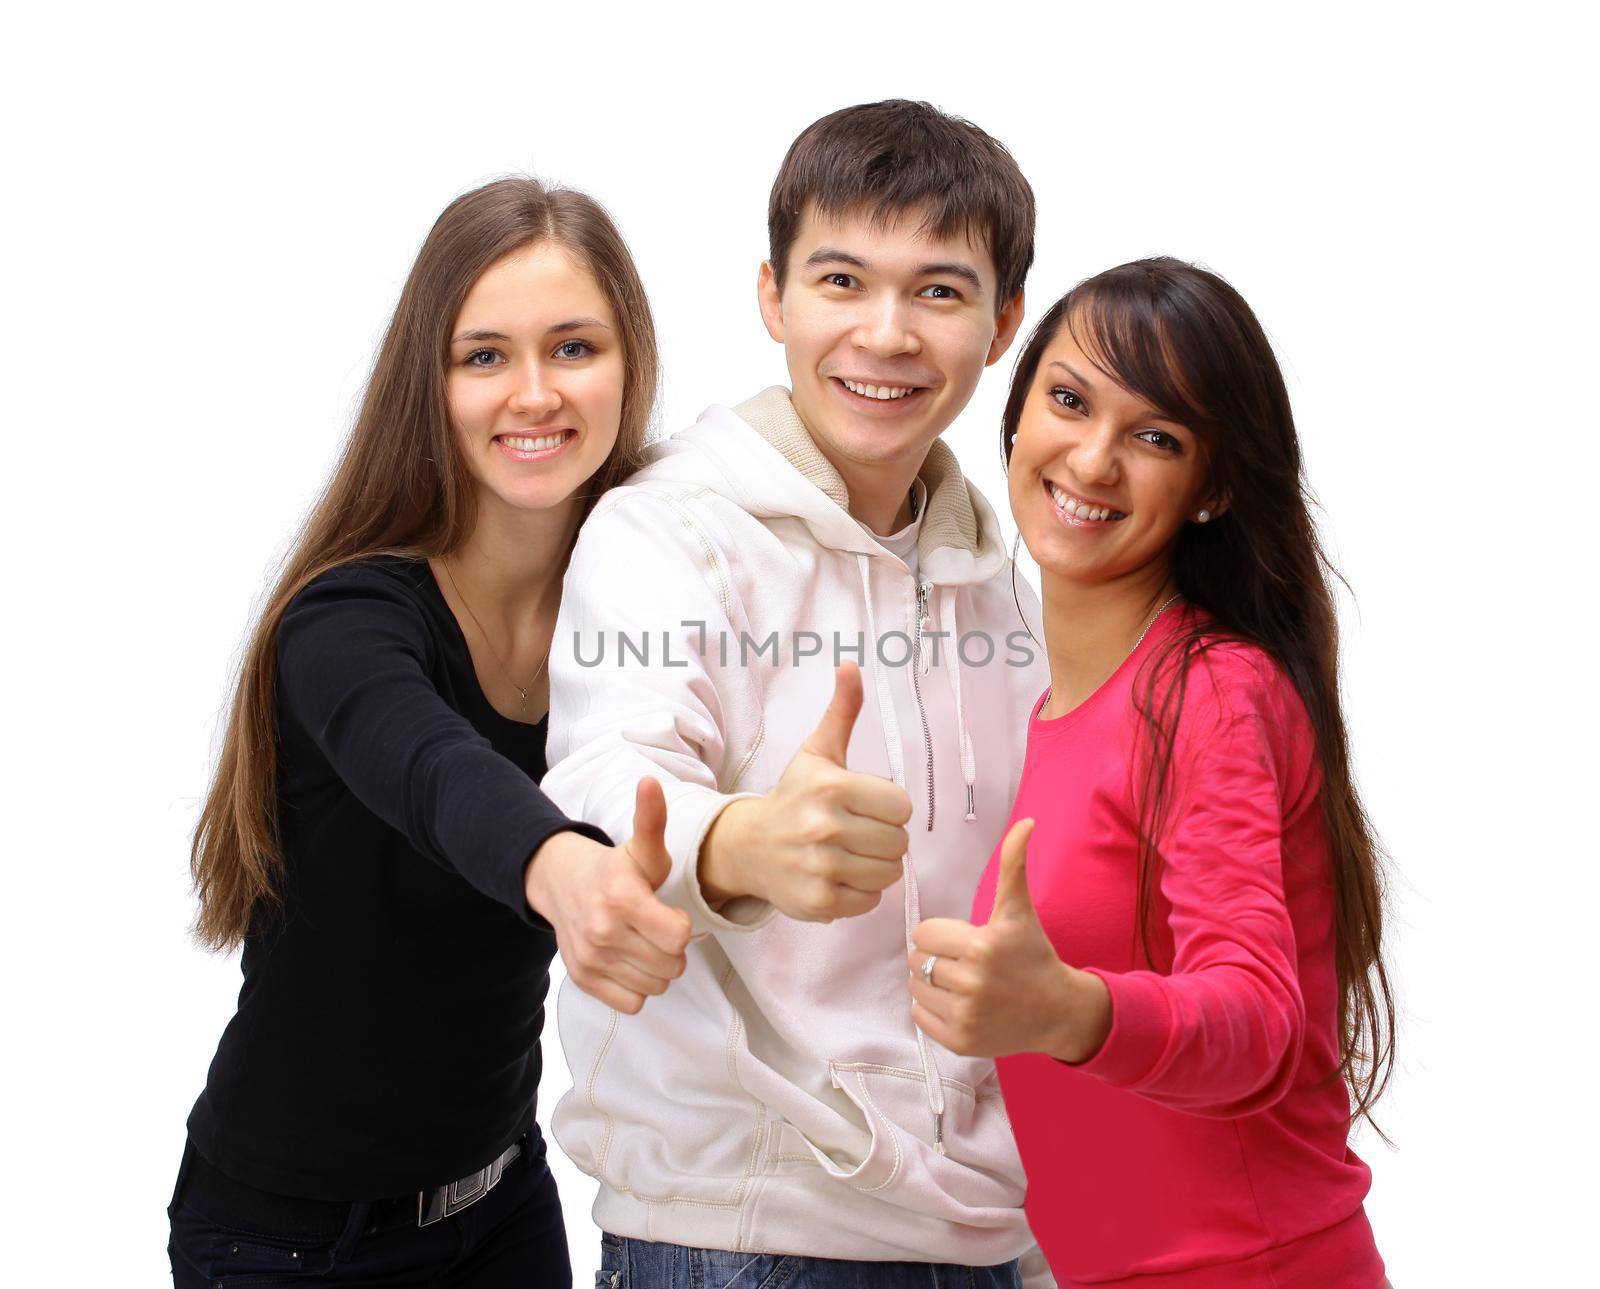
(1132, 334)
(938, 213)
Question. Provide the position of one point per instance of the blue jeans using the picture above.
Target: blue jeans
(639, 1264)
(513, 1238)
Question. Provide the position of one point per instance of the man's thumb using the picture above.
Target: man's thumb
(648, 845)
(831, 738)
(1011, 894)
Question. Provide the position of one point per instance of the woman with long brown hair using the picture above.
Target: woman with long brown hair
(375, 837)
(1183, 982)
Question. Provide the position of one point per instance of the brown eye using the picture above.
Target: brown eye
(1161, 439)
(1067, 399)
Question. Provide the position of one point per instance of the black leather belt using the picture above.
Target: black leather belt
(445, 1200)
(291, 1215)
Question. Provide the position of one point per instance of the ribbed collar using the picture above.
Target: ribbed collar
(950, 520)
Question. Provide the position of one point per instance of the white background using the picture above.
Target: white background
(211, 214)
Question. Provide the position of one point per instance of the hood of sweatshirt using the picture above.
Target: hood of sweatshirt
(736, 453)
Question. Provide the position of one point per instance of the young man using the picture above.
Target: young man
(777, 1102)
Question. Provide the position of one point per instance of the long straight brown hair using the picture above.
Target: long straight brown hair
(401, 487)
(1185, 341)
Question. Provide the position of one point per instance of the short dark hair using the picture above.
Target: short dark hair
(896, 156)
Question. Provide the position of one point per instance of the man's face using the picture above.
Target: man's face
(885, 331)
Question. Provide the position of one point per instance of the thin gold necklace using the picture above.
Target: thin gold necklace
(522, 690)
(1167, 605)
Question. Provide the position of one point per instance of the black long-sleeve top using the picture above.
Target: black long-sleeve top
(387, 1036)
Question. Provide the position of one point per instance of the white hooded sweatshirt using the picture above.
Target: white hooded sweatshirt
(777, 1098)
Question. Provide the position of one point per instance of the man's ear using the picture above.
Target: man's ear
(1006, 323)
(770, 300)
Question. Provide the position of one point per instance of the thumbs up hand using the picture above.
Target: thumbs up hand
(620, 943)
(1000, 988)
(826, 841)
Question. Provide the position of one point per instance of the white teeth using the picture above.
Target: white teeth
(1080, 509)
(526, 444)
(879, 392)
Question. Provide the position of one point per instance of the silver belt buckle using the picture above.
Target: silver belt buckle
(441, 1202)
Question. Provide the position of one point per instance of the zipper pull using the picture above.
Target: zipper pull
(924, 623)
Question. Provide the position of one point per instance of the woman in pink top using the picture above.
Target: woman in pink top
(1184, 987)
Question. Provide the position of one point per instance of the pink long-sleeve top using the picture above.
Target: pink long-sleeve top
(1204, 1146)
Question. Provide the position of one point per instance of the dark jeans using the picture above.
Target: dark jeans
(639, 1264)
(514, 1236)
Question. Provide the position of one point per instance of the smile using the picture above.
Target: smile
(534, 447)
(1078, 512)
(880, 402)
(883, 393)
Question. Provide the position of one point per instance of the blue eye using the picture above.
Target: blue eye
(574, 349)
(474, 358)
(1067, 398)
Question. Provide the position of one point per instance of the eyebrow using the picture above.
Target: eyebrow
(1081, 379)
(953, 268)
(572, 324)
(832, 255)
(945, 268)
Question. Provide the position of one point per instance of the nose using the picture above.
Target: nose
(885, 329)
(535, 394)
(1093, 456)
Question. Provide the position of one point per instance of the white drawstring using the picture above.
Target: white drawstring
(969, 763)
(912, 903)
(891, 726)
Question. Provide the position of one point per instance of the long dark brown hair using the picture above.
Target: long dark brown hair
(1185, 341)
(402, 487)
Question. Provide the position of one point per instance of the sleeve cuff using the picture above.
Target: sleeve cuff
(690, 813)
(514, 866)
(1141, 1023)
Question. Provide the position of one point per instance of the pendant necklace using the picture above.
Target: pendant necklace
(522, 690)
(1167, 605)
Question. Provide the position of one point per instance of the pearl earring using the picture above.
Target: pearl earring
(1013, 438)
(1203, 517)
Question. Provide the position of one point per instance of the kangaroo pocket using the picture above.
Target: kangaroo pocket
(658, 1129)
(976, 1179)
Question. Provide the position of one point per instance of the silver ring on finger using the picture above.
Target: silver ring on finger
(927, 970)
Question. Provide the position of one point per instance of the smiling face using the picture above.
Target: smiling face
(535, 378)
(1101, 484)
(885, 332)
